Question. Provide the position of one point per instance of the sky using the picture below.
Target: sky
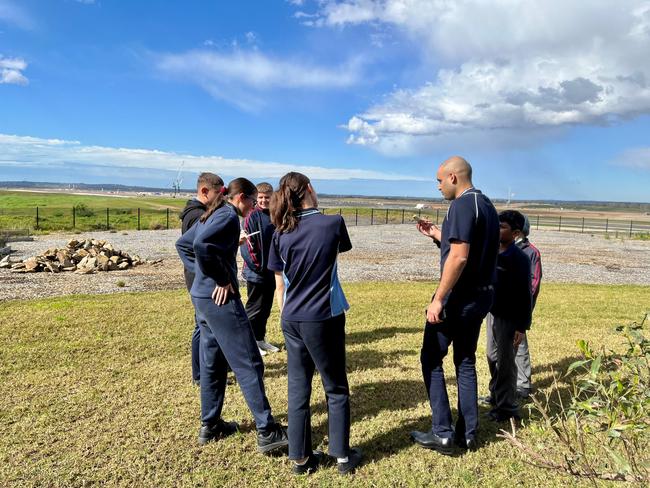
(547, 99)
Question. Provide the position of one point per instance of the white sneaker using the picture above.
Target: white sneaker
(265, 346)
(262, 352)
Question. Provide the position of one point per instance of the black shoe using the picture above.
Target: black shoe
(313, 462)
(355, 457)
(499, 416)
(429, 440)
(523, 395)
(274, 438)
(217, 430)
(469, 444)
(486, 401)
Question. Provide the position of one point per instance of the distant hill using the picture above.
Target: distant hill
(576, 205)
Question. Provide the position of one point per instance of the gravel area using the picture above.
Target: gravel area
(381, 253)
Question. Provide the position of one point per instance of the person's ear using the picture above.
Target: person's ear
(453, 178)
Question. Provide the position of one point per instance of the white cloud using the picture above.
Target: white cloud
(242, 76)
(30, 151)
(524, 66)
(11, 71)
(636, 158)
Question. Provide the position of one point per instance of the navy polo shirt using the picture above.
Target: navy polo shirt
(307, 259)
(472, 218)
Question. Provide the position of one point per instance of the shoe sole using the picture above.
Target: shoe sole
(272, 447)
(447, 451)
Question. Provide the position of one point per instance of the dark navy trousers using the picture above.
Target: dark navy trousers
(461, 327)
(317, 345)
(196, 342)
(227, 338)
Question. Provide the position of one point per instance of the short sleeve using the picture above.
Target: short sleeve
(344, 238)
(275, 260)
(461, 221)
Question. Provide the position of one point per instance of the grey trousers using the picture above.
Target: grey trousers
(501, 361)
(524, 371)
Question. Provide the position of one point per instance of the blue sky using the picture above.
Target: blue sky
(364, 96)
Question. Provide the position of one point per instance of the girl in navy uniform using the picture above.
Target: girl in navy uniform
(303, 256)
(209, 249)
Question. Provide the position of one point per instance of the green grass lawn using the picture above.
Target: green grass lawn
(96, 390)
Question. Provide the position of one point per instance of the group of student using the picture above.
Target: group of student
(290, 251)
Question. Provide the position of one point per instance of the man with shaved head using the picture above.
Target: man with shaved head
(469, 245)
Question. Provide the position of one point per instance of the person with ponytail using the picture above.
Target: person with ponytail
(209, 249)
(303, 255)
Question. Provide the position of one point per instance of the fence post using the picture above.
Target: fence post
(167, 218)
(74, 217)
(107, 222)
(631, 223)
(36, 218)
(583, 225)
(372, 215)
(559, 228)
(324, 210)
(356, 216)
(386, 215)
(538, 222)
(606, 226)
(403, 215)
(339, 210)
(437, 215)
(138, 218)
(419, 213)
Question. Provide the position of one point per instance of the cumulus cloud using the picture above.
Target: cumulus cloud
(242, 76)
(524, 66)
(41, 152)
(11, 71)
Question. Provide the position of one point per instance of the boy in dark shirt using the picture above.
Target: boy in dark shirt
(524, 370)
(207, 189)
(509, 319)
(260, 282)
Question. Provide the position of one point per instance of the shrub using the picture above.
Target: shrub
(602, 429)
(82, 210)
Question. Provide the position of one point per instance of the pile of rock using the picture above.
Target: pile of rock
(84, 257)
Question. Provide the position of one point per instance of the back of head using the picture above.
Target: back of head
(460, 167)
(513, 218)
(209, 180)
(526, 228)
(288, 200)
(241, 185)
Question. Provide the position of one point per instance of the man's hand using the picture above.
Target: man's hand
(434, 312)
(519, 337)
(242, 237)
(221, 294)
(429, 229)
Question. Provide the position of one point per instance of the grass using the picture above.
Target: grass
(96, 390)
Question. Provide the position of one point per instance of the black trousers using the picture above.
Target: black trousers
(258, 305)
(319, 345)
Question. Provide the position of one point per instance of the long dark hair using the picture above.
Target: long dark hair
(235, 187)
(287, 201)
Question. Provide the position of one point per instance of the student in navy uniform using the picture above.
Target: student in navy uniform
(209, 249)
(207, 189)
(509, 318)
(260, 282)
(524, 370)
(303, 255)
(469, 243)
